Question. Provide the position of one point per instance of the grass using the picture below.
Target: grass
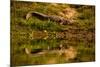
(39, 34)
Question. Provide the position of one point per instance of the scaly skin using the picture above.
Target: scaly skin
(41, 16)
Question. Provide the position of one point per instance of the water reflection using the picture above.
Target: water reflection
(66, 45)
(58, 47)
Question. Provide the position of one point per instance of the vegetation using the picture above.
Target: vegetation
(46, 35)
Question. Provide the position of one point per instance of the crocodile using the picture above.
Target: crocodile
(54, 18)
